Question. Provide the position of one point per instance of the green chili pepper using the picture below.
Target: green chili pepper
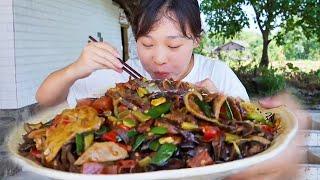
(189, 126)
(229, 111)
(88, 140)
(163, 154)
(101, 131)
(259, 118)
(159, 130)
(132, 133)
(230, 138)
(142, 91)
(124, 113)
(79, 143)
(140, 116)
(154, 145)
(254, 114)
(129, 123)
(138, 141)
(203, 106)
(157, 111)
(144, 162)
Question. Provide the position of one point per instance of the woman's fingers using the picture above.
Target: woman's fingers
(208, 84)
(279, 100)
(270, 102)
(108, 47)
(97, 55)
(273, 168)
(107, 56)
(105, 64)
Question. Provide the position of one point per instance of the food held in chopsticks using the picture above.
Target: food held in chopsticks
(142, 126)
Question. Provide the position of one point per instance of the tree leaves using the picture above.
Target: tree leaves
(227, 18)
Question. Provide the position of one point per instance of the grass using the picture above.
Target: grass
(300, 82)
(303, 65)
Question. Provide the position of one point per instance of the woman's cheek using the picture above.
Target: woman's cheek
(181, 58)
(146, 60)
(145, 56)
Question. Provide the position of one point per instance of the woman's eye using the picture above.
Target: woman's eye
(147, 45)
(174, 47)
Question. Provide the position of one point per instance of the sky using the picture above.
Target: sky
(253, 27)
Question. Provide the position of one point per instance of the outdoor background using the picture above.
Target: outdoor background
(272, 45)
(275, 45)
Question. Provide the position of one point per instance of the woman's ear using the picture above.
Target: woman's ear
(196, 42)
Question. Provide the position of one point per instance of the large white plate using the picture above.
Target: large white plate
(217, 171)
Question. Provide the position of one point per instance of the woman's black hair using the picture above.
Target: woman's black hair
(149, 12)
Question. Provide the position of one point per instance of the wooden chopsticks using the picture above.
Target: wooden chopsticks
(126, 67)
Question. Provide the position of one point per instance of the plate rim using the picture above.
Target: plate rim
(31, 166)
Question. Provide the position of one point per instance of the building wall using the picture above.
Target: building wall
(51, 34)
(132, 45)
(8, 98)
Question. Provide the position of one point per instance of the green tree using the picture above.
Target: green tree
(297, 46)
(207, 44)
(227, 18)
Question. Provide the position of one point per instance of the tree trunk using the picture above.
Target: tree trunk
(265, 58)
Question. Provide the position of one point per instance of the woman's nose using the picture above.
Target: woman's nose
(160, 56)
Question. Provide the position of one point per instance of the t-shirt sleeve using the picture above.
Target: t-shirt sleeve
(94, 86)
(77, 91)
(232, 86)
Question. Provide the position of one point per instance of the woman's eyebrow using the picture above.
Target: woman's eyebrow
(148, 36)
(176, 37)
(170, 37)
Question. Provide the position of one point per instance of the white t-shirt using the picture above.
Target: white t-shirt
(99, 81)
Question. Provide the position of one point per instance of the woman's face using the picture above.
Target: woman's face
(165, 52)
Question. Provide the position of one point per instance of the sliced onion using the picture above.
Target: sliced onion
(30, 127)
(195, 112)
(247, 124)
(236, 147)
(260, 139)
(153, 88)
(217, 104)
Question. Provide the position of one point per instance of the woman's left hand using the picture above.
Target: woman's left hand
(284, 165)
(207, 84)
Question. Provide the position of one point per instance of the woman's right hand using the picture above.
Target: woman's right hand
(95, 56)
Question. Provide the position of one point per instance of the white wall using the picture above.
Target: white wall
(8, 98)
(132, 45)
(51, 34)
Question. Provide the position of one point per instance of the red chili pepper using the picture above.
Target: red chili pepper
(126, 128)
(36, 153)
(122, 108)
(267, 128)
(102, 104)
(110, 136)
(210, 133)
(60, 120)
(66, 121)
(223, 113)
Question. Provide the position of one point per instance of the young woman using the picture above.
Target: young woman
(166, 32)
